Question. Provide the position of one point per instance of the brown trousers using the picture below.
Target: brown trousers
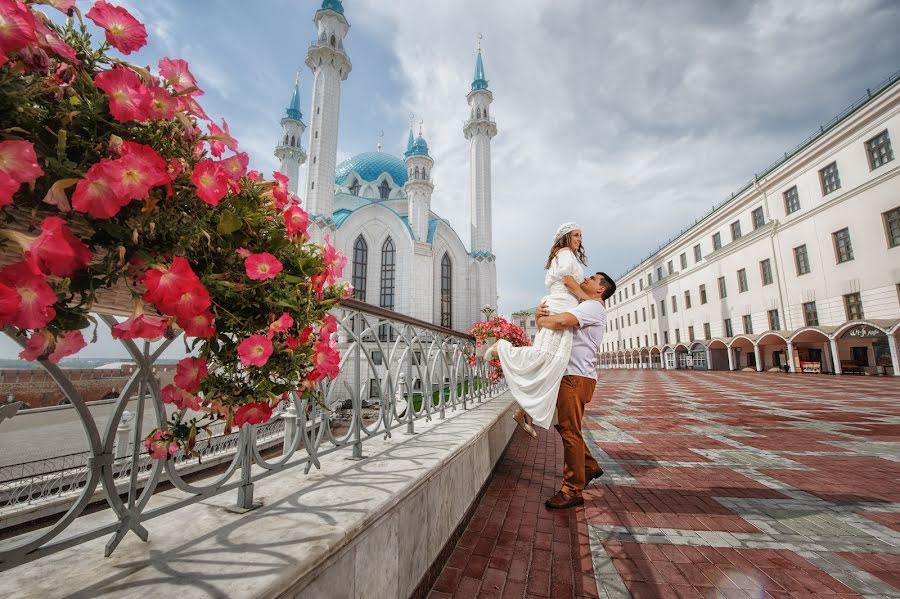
(574, 394)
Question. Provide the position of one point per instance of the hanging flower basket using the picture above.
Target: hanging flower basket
(119, 195)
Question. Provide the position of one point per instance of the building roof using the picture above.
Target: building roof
(419, 147)
(370, 165)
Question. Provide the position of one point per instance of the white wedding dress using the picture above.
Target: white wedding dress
(534, 373)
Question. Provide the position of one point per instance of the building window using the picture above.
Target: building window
(702, 294)
(629, 319)
(674, 304)
(707, 334)
(360, 265)
(662, 308)
(354, 189)
(879, 150)
(683, 258)
(830, 179)
(626, 293)
(388, 264)
(791, 200)
(726, 324)
(843, 249)
(748, 324)
(646, 341)
(687, 300)
(531, 323)
(649, 279)
(765, 272)
(666, 337)
(853, 306)
(655, 339)
(446, 291)
(377, 358)
(384, 190)
(801, 260)
(758, 218)
(892, 226)
(691, 334)
(697, 253)
(659, 274)
(641, 281)
(717, 241)
(735, 230)
(652, 311)
(774, 321)
(677, 335)
(742, 280)
(643, 314)
(723, 291)
(810, 314)
(670, 267)
(632, 289)
(635, 317)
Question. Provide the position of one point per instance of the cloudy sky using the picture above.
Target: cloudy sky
(631, 117)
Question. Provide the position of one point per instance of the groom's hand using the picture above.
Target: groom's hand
(542, 310)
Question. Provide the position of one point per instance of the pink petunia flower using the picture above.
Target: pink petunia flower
(235, 166)
(190, 372)
(262, 266)
(326, 358)
(220, 138)
(296, 221)
(165, 285)
(141, 326)
(128, 98)
(280, 191)
(39, 345)
(123, 32)
(16, 26)
(193, 301)
(9, 303)
(8, 187)
(160, 445)
(56, 250)
(281, 325)
(67, 344)
(18, 161)
(211, 181)
(161, 104)
(180, 398)
(201, 325)
(61, 5)
(253, 413)
(36, 298)
(334, 262)
(176, 73)
(96, 196)
(255, 350)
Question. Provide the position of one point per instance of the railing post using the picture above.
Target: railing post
(356, 400)
(245, 491)
(410, 395)
(289, 416)
(123, 431)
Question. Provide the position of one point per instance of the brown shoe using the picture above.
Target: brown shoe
(561, 501)
(589, 476)
(519, 417)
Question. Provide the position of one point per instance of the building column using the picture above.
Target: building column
(758, 354)
(790, 356)
(708, 359)
(730, 358)
(835, 356)
(895, 359)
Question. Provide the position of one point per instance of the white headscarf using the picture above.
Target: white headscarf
(565, 228)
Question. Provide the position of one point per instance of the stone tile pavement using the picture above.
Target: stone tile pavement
(717, 485)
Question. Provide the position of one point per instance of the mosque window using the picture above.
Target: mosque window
(388, 265)
(293, 141)
(446, 292)
(360, 264)
(354, 189)
(384, 190)
(285, 139)
(416, 173)
(477, 113)
(333, 42)
(317, 135)
(425, 174)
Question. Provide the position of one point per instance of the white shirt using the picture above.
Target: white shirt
(587, 338)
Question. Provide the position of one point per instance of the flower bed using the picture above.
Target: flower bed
(497, 328)
(113, 180)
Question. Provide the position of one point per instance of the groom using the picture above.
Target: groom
(577, 386)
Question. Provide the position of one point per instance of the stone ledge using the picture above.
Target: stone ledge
(369, 528)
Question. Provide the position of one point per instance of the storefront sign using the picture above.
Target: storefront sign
(811, 367)
(862, 331)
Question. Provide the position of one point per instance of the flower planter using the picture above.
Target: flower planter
(481, 349)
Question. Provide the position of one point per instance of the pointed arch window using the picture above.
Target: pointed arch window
(388, 269)
(354, 189)
(384, 190)
(293, 141)
(360, 264)
(446, 292)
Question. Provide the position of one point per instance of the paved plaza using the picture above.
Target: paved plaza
(717, 485)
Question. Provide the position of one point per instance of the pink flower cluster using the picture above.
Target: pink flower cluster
(500, 328)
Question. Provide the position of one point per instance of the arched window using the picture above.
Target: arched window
(354, 189)
(446, 292)
(333, 42)
(285, 139)
(360, 263)
(384, 190)
(293, 140)
(388, 268)
(477, 113)
(424, 174)
(416, 175)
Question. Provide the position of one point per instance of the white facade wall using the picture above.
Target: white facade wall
(859, 205)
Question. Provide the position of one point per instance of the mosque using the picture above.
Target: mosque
(376, 207)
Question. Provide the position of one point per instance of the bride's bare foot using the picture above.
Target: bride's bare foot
(524, 420)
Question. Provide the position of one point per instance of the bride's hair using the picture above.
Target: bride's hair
(563, 243)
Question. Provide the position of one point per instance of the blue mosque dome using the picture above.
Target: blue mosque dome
(334, 5)
(419, 147)
(370, 165)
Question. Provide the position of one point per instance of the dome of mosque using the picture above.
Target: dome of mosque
(370, 165)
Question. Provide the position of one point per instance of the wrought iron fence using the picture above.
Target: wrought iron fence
(395, 371)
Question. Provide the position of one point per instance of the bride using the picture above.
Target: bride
(534, 373)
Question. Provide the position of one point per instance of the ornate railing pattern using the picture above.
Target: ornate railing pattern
(395, 371)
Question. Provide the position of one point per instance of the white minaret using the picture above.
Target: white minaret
(418, 186)
(479, 130)
(290, 151)
(330, 65)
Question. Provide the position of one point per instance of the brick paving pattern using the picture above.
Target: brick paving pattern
(717, 485)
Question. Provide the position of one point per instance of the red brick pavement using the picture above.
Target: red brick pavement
(804, 502)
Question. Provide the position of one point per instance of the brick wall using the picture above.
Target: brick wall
(38, 390)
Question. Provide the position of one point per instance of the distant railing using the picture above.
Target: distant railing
(394, 371)
(823, 129)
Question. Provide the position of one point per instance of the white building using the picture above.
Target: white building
(524, 319)
(800, 269)
(376, 207)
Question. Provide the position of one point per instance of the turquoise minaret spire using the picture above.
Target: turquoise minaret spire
(479, 82)
(293, 109)
(410, 141)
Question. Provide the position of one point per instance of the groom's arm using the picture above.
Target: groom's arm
(566, 320)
